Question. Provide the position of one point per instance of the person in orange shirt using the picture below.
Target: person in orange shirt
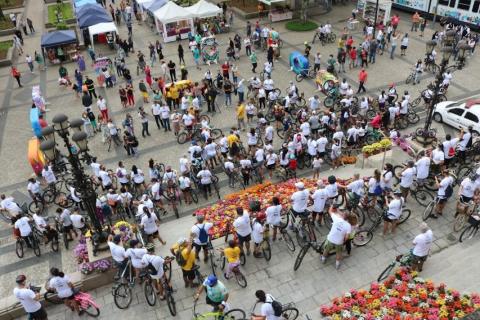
(415, 21)
(362, 78)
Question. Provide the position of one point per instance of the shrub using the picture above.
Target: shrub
(297, 25)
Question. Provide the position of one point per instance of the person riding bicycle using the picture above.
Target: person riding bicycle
(300, 200)
(24, 230)
(34, 190)
(232, 254)
(217, 293)
(427, 95)
(154, 265)
(29, 299)
(62, 285)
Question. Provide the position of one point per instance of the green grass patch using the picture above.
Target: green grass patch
(6, 4)
(65, 9)
(298, 25)
(6, 23)
(4, 46)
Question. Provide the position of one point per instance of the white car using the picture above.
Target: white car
(459, 114)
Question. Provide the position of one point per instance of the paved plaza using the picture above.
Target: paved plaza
(313, 284)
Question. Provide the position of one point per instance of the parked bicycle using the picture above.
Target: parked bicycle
(403, 260)
(471, 230)
(85, 302)
(232, 314)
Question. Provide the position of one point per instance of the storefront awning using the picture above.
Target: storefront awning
(269, 2)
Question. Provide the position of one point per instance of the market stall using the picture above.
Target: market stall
(105, 32)
(93, 18)
(172, 21)
(203, 9)
(366, 10)
(59, 46)
(100, 65)
(89, 8)
(81, 3)
(276, 11)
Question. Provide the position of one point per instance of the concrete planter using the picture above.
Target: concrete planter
(21, 5)
(12, 30)
(50, 1)
(8, 60)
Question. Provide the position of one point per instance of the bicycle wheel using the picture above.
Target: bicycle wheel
(65, 239)
(423, 197)
(301, 236)
(301, 102)
(371, 114)
(19, 248)
(243, 259)
(234, 314)
(91, 310)
(171, 303)
(149, 292)
(328, 102)
(468, 233)
(290, 313)
(36, 247)
(48, 196)
(266, 250)
(182, 137)
(167, 269)
(216, 134)
(360, 215)
(241, 280)
(52, 298)
(385, 272)
(459, 223)
(36, 207)
(413, 117)
(429, 210)
(462, 173)
(431, 184)
(211, 257)
(404, 216)
(204, 117)
(194, 196)
(362, 238)
(288, 240)
(300, 256)
(409, 79)
(122, 296)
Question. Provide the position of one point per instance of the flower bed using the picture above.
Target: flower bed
(402, 296)
(376, 147)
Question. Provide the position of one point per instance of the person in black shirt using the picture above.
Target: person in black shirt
(171, 67)
(180, 54)
(184, 72)
(211, 95)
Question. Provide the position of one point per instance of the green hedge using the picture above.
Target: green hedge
(297, 25)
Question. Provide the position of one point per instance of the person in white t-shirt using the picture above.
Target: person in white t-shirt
(150, 223)
(63, 286)
(78, 221)
(423, 168)
(394, 212)
(266, 310)
(319, 197)
(243, 228)
(49, 175)
(205, 177)
(423, 243)
(135, 253)
(118, 253)
(300, 200)
(200, 236)
(257, 234)
(8, 204)
(445, 183)
(29, 299)
(407, 178)
(465, 140)
(438, 158)
(155, 268)
(386, 182)
(337, 236)
(273, 214)
(449, 146)
(23, 225)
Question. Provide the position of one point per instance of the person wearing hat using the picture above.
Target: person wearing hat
(422, 244)
(394, 212)
(185, 257)
(118, 253)
(217, 293)
(135, 253)
(257, 233)
(300, 200)
(29, 299)
(154, 265)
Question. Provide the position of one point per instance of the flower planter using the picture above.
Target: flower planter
(8, 60)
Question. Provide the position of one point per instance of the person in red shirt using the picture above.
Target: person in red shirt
(349, 44)
(353, 58)
(225, 70)
(376, 122)
(364, 57)
(362, 78)
(42, 122)
(395, 21)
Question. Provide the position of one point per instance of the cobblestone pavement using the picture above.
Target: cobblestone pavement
(358, 270)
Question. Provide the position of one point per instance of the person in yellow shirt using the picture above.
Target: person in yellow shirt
(233, 144)
(232, 254)
(175, 96)
(186, 260)
(241, 114)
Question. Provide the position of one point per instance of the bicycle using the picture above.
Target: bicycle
(303, 251)
(85, 302)
(61, 230)
(150, 292)
(34, 243)
(462, 215)
(411, 76)
(298, 226)
(471, 230)
(121, 290)
(363, 237)
(403, 259)
(265, 244)
(233, 314)
(239, 277)
(305, 74)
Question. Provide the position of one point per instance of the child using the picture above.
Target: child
(232, 254)
(257, 234)
(316, 164)
(143, 89)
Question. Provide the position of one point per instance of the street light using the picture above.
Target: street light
(82, 183)
(449, 38)
(461, 54)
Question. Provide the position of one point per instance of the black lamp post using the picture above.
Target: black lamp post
(427, 136)
(461, 55)
(82, 183)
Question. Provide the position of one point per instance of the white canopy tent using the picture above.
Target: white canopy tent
(204, 9)
(100, 28)
(172, 19)
(142, 4)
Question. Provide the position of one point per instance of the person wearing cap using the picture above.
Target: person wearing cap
(445, 183)
(300, 200)
(118, 253)
(423, 243)
(257, 233)
(135, 253)
(154, 265)
(217, 293)
(338, 235)
(394, 212)
(184, 247)
(29, 299)
(243, 228)
(319, 197)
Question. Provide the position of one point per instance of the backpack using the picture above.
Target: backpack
(277, 308)
(448, 191)
(179, 258)
(203, 235)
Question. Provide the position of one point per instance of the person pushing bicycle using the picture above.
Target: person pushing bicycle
(217, 293)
